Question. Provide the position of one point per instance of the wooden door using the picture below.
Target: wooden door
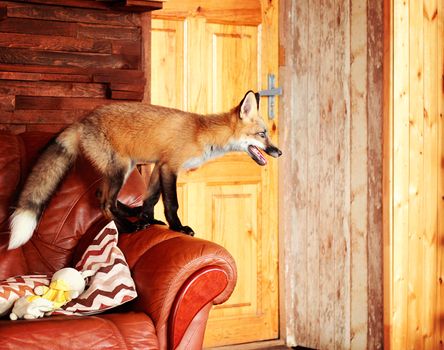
(205, 56)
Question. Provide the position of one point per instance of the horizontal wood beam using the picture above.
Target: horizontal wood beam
(246, 12)
(122, 5)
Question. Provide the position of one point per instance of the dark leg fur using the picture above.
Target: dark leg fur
(153, 196)
(110, 189)
(145, 213)
(168, 180)
(129, 211)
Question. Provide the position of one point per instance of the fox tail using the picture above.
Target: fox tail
(43, 180)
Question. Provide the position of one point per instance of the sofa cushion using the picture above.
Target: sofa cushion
(114, 331)
(111, 284)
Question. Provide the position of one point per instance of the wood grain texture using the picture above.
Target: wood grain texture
(359, 182)
(294, 246)
(375, 120)
(439, 329)
(413, 226)
(54, 43)
(246, 12)
(331, 187)
(70, 58)
(387, 180)
(107, 5)
(76, 15)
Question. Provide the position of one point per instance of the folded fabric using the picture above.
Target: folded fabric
(111, 284)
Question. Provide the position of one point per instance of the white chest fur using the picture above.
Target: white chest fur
(210, 152)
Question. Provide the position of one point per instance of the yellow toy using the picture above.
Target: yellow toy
(66, 284)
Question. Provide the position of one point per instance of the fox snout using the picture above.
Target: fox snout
(273, 151)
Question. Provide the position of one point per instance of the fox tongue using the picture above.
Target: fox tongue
(257, 156)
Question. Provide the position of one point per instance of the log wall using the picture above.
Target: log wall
(59, 62)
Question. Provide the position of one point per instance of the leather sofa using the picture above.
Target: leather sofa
(178, 278)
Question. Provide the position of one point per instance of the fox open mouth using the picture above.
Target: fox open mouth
(257, 156)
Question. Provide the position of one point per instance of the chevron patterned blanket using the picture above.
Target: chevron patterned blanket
(111, 284)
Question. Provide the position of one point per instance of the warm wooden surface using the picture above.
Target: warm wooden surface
(57, 63)
(330, 184)
(247, 12)
(202, 65)
(413, 201)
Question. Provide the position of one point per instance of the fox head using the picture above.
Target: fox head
(252, 133)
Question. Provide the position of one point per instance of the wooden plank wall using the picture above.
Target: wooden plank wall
(59, 62)
(414, 182)
(330, 210)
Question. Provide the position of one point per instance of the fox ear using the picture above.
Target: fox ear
(258, 98)
(248, 106)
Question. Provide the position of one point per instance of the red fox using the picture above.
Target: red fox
(117, 137)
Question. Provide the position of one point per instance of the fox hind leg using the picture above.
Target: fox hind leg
(114, 179)
(145, 213)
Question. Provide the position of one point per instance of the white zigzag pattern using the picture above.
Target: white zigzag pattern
(105, 240)
(92, 261)
(101, 303)
(106, 289)
(104, 282)
(14, 284)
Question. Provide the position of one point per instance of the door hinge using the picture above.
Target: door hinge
(271, 92)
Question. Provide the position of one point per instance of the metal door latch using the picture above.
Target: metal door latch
(271, 92)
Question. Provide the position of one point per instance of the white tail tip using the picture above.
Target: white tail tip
(23, 223)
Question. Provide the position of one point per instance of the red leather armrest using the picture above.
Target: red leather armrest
(176, 277)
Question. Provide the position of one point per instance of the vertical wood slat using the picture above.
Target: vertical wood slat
(296, 198)
(342, 173)
(400, 171)
(327, 268)
(387, 203)
(359, 168)
(374, 116)
(314, 189)
(439, 323)
(429, 244)
(416, 168)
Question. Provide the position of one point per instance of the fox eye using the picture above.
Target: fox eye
(261, 134)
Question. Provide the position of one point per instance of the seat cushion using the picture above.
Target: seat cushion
(114, 331)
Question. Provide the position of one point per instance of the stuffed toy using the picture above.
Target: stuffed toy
(66, 284)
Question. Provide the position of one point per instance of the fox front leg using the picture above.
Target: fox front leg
(152, 197)
(168, 181)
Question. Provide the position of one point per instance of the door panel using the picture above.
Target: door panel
(233, 52)
(207, 67)
(167, 58)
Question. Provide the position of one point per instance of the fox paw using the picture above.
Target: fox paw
(184, 229)
(156, 222)
(143, 223)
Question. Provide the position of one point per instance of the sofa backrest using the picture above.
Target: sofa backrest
(71, 212)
